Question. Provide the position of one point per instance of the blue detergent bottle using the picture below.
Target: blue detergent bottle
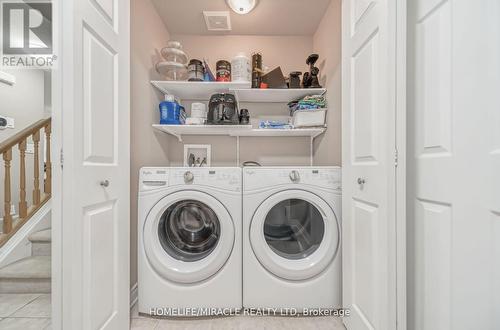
(171, 112)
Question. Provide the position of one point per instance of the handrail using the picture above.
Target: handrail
(25, 133)
(39, 198)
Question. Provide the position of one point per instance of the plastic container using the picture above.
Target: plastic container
(256, 70)
(309, 118)
(195, 121)
(241, 68)
(172, 70)
(174, 63)
(199, 110)
(223, 71)
(195, 70)
(174, 53)
(172, 113)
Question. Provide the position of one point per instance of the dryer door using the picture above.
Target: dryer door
(188, 236)
(295, 234)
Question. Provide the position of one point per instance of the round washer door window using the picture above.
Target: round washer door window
(189, 230)
(295, 234)
(188, 236)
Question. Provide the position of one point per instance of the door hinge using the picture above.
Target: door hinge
(396, 157)
(61, 159)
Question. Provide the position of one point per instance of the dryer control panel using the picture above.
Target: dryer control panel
(324, 177)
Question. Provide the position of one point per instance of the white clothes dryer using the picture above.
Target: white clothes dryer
(291, 238)
(189, 244)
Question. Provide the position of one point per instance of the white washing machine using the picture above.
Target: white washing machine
(291, 238)
(189, 229)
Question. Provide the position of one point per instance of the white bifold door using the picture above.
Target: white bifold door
(454, 164)
(96, 188)
(369, 167)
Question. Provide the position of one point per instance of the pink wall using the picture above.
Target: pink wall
(289, 52)
(327, 43)
(148, 36)
(150, 148)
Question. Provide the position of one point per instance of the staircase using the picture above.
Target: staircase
(26, 190)
(15, 191)
(31, 274)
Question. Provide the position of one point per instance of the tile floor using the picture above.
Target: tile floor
(237, 323)
(24, 311)
(32, 312)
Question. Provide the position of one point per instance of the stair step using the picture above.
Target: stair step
(44, 236)
(28, 275)
(41, 243)
(41, 249)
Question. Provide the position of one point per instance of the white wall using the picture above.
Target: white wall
(25, 102)
(327, 43)
(148, 148)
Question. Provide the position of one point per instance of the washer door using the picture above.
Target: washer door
(295, 234)
(188, 236)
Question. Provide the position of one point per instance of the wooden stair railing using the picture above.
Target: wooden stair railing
(10, 227)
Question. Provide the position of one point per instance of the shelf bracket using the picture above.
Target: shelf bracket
(178, 136)
(311, 155)
(237, 150)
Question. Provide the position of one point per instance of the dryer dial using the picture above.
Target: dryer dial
(295, 176)
(188, 177)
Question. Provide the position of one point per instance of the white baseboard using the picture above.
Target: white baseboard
(133, 295)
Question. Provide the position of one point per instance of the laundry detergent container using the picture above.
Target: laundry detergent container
(172, 113)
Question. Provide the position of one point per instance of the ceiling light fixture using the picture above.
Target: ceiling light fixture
(242, 6)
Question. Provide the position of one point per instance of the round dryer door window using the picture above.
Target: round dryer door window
(295, 234)
(188, 236)
(294, 228)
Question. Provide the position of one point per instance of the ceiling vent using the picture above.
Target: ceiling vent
(217, 20)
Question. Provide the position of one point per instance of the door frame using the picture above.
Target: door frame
(57, 270)
(401, 172)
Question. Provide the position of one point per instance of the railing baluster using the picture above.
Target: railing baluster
(23, 206)
(7, 218)
(36, 181)
(48, 163)
(7, 148)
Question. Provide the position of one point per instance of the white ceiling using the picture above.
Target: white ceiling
(270, 17)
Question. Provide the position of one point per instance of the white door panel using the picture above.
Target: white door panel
(368, 135)
(100, 265)
(99, 100)
(107, 7)
(453, 163)
(96, 164)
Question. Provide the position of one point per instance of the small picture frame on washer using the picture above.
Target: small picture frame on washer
(197, 155)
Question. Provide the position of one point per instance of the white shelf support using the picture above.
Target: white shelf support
(238, 151)
(311, 155)
(178, 136)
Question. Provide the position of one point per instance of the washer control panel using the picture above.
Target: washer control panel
(225, 178)
(152, 178)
